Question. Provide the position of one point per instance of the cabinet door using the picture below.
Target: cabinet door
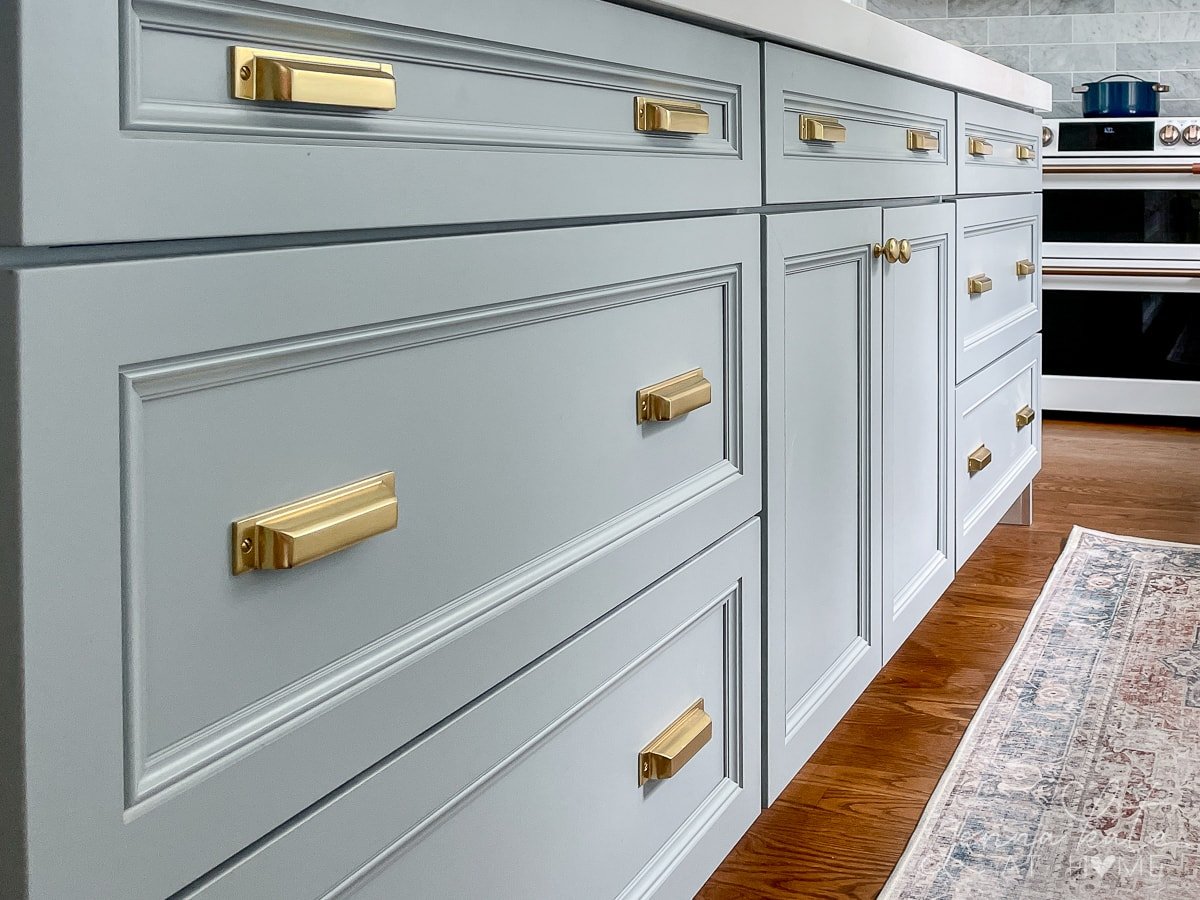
(823, 342)
(918, 549)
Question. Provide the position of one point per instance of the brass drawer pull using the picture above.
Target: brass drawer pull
(979, 459)
(977, 146)
(676, 745)
(893, 250)
(979, 284)
(1025, 415)
(308, 529)
(1026, 267)
(674, 397)
(669, 116)
(822, 128)
(303, 78)
(923, 140)
(1026, 152)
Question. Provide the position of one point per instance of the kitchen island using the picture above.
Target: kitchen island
(506, 441)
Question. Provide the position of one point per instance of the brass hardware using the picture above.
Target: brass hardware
(1122, 169)
(979, 459)
(1026, 267)
(303, 78)
(889, 250)
(905, 250)
(308, 529)
(979, 284)
(661, 116)
(664, 756)
(923, 140)
(1024, 151)
(1025, 415)
(674, 397)
(977, 146)
(1101, 272)
(822, 128)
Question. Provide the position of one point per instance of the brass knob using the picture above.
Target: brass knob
(889, 250)
(979, 284)
(979, 459)
(1025, 415)
(905, 251)
(1169, 135)
(1191, 135)
(1026, 267)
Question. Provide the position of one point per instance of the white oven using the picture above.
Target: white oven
(1121, 266)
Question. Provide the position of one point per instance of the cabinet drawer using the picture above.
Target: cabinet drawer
(999, 297)
(835, 131)
(498, 389)
(993, 409)
(534, 791)
(514, 113)
(999, 148)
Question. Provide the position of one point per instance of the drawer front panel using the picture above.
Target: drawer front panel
(525, 113)
(1008, 453)
(998, 239)
(560, 745)
(835, 131)
(528, 493)
(999, 148)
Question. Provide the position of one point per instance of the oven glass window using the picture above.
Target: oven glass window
(1122, 217)
(1121, 335)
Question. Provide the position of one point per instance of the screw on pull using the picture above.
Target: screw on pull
(244, 71)
(247, 545)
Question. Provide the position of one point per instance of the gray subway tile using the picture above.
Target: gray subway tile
(1074, 57)
(1185, 84)
(1070, 7)
(1180, 108)
(909, 9)
(1029, 30)
(1060, 82)
(963, 32)
(1163, 55)
(1116, 27)
(1064, 110)
(989, 8)
(1180, 26)
(1155, 5)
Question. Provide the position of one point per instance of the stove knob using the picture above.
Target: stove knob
(1191, 135)
(1047, 136)
(1169, 135)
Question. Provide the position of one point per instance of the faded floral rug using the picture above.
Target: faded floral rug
(1080, 773)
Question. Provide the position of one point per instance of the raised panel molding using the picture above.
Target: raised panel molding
(155, 774)
(997, 326)
(224, 23)
(797, 103)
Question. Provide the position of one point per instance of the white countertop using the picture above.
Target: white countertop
(835, 28)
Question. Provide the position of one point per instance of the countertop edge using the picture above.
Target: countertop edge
(843, 31)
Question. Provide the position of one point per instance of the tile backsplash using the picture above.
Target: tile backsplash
(1068, 42)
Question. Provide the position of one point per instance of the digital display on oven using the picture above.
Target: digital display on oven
(1106, 136)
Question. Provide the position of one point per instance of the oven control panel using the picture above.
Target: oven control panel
(1121, 137)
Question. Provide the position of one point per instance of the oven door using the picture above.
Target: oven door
(1121, 340)
(1100, 209)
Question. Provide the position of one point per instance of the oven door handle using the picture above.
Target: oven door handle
(1121, 168)
(1113, 272)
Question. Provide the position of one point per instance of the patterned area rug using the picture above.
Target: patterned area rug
(1080, 773)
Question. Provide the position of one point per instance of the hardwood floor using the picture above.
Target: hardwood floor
(840, 826)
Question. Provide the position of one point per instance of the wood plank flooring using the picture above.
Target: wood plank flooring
(840, 826)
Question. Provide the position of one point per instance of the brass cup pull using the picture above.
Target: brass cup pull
(1026, 152)
(1025, 415)
(926, 141)
(302, 78)
(1026, 267)
(979, 459)
(979, 284)
(306, 530)
(674, 397)
(676, 745)
(977, 146)
(669, 116)
(825, 129)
